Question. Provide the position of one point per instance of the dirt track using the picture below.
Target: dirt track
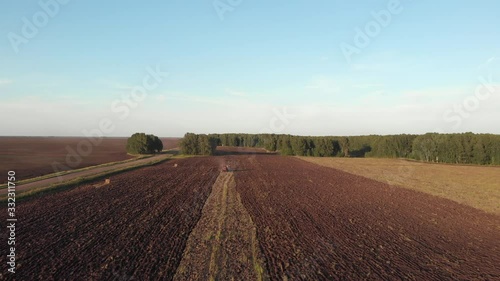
(311, 223)
(223, 245)
(91, 171)
(316, 223)
(32, 157)
(133, 229)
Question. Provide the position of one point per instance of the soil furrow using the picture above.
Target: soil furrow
(316, 223)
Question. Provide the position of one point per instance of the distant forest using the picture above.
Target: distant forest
(466, 148)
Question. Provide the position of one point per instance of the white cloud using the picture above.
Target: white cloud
(444, 95)
(5, 82)
(368, 86)
(375, 97)
(225, 101)
(416, 111)
(318, 119)
(115, 85)
(323, 84)
(236, 93)
(58, 116)
(368, 67)
(120, 86)
(488, 62)
(160, 98)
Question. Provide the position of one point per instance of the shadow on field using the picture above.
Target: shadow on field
(240, 170)
(174, 152)
(224, 151)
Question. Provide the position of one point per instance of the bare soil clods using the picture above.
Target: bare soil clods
(135, 228)
(274, 217)
(316, 223)
(476, 186)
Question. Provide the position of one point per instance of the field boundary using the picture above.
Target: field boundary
(58, 187)
(136, 157)
(434, 163)
(68, 172)
(471, 185)
(223, 245)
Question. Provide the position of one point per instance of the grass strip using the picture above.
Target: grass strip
(58, 187)
(63, 173)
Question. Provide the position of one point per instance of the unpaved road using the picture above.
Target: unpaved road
(33, 157)
(223, 245)
(309, 222)
(97, 170)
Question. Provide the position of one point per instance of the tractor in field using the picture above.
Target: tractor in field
(226, 168)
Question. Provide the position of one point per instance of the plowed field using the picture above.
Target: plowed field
(271, 217)
(316, 223)
(133, 229)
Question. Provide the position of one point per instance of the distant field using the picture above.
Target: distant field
(33, 156)
(476, 186)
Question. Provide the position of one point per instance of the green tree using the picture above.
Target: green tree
(193, 144)
(207, 145)
(285, 146)
(189, 144)
(299, 146)
(344, 145)
(270, 142)
(155, 143)
(140, 143)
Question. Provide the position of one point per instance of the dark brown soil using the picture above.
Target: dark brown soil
(135, 228)
(317, 223)
(33, 156)
(311, 223)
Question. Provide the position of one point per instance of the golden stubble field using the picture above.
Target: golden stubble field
(475, 186)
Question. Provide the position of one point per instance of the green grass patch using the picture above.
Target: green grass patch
(58, 187)
(63, 173)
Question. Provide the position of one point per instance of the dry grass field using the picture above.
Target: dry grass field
(476, 186)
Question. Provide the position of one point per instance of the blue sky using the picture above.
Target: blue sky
(236, 66)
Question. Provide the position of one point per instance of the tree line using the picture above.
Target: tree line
(465, 148)
(194, 144)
